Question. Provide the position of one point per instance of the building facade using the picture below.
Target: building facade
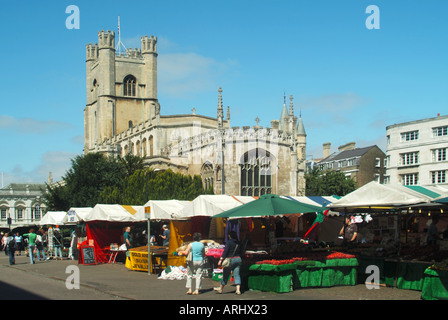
(363, 165)
(417, 152)
(21, 205)
(123, 115)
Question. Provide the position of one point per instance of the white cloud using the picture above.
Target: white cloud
(56, 162)
(181, 71)
(333, 102)
(31, 126)
(183, 74)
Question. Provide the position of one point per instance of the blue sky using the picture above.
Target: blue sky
(349, 82)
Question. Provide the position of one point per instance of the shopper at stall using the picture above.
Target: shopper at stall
(233, 252)
(195, 264)
(433, 232)
(165, 235)
(31, 244)
(349, 231)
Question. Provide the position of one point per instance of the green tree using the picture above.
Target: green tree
(148, 184)
(132, 163)
(329, 182)
(82, 184)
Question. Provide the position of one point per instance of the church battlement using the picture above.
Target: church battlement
(132, 53)
(149, 44)
(106, 39)
(268, 135)
(92, 51)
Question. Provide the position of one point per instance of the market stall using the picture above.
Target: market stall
(52, 218)
(104, 226)
(271, 209)
(76, 215)
(396, 239)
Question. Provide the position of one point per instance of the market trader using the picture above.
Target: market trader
(349, 231)
(165, 236)
(127, 237)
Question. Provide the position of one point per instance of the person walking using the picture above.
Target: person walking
(232, 250)
(10, 247)
(195, 264)
(57, 244)
(31, 244)
(40, 246)
(19, 243)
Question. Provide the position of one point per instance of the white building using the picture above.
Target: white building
(417, 152)
(22, 204)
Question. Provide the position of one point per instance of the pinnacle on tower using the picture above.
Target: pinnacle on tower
(283, 115)
(291, 105)
(220, 109)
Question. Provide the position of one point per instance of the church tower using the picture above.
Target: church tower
(121, 89)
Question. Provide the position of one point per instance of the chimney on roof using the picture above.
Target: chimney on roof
(347, 146)
(327, 149)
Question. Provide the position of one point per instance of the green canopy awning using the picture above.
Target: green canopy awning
(424, 191)
(269, 205)
(442, 200)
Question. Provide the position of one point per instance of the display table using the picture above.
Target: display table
(409, 275)
(266, 277)
(138, 258)
(435, 285)
(113, 254)
(302, 274)
(328, 273)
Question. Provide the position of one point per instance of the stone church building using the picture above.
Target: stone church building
(123, 115)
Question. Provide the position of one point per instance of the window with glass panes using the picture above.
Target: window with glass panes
(409, 158)
(409, 136)
(410, 179)
(256, 173)
(438, 176)
(440, 131)
(439, 154)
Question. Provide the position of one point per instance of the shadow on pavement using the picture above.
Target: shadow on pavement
(10, 292)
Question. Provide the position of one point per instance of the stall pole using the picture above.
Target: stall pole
(148, 216)
(397, 269)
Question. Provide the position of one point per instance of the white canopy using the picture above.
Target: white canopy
(210, 205)
(52, 218)
(112, 213)
(374, 194)
(161, 209)
(76, 215)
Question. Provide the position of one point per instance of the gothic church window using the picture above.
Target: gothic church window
(129, 84)
(256, 173)
(207, 176)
